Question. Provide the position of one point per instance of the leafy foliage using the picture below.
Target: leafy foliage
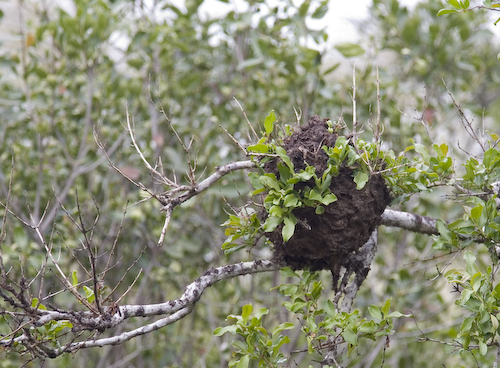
(79, 67)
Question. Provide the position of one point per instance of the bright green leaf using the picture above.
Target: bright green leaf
(281, 327)
(483, 348)
(375, 312)
(271, 223)
(244, 361)
(89, 294)
(361, 179)
(454, 3)
(387, 306)
(282, 154)
(246, 311)
(470, 260)
(329, 198)
(288, 229)
(288, 272)
(269, 123)
(259, 148)
(219, 331)
(350, 337)
(350, 49)
(74, 278)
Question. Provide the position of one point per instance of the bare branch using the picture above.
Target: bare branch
(410, 221)
(220, 171)
(114, 314)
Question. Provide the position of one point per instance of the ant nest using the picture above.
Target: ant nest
(327, 241)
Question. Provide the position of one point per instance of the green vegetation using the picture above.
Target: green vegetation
(117, 115)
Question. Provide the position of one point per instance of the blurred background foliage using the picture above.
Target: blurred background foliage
(64, 71)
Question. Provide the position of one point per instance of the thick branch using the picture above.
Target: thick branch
(410, 221)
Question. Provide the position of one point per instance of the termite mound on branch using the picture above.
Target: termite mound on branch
(327, 240)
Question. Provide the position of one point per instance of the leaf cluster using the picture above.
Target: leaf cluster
(257, 343)
(481, 297)
(320, 326)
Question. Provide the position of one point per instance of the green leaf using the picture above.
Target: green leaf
(240, 346)
(476, 213)
(467, 324)
(74, 278)
(454, 3)
(350, 337)
(470, 260)
(304, 175)
(244, 361)
(291, 200)
(420, 148)
(288, 229)
(276, 211)
(494, 322)
(444, 231)
(466, 294)
(314, 195)
(288, 272)
(331, 69)
(271, 223)
(250, 63)
(350, 49)
(219, 331)
(261, 312)
(34, 304)
(321, 10)
(269, 123)
(329, 198)
(285, 172)
(330, 309)
(269, 181)
(446, 11)
(89, 294)
(375, 312)
(282, 154)
(386, 307)
(397, 314)
(281, 327)
(259, 148)
(246, 311)
(361, 179)
(476, 281)
(483, 348)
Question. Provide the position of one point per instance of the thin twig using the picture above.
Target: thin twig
(354, 117)
(115, 242)
(467, 124)
(234, 140)
(246, 118)
(125, 274)
(129, 287)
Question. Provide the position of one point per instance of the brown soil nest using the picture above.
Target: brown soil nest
(326, 241)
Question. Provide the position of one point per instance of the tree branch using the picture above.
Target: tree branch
(410, 221)
(114, 315)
